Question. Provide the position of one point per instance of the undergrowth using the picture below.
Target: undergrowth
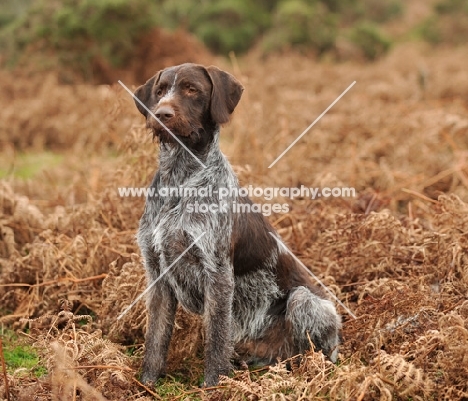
(20, 357)
(396, 254)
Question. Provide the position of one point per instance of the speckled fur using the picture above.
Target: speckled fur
(255, 301)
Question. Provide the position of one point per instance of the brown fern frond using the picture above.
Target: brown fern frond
(408, 380)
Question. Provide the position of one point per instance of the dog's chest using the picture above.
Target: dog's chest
(188, 244)
(169, 233)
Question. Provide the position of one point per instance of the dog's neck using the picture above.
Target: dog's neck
(177, 164)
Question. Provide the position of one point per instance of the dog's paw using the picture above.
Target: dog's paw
(334, 355)
(149, 377)
(211, 381)
(238, 362)
(212, 376)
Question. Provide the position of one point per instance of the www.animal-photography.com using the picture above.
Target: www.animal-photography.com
(233, 200)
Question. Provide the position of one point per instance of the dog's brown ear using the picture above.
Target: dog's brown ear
(225, 94)
(143, 93)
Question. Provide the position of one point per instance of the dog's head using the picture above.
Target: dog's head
(190, 100)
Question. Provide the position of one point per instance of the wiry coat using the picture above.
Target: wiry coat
(256, 302)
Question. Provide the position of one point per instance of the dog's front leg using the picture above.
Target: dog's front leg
(217, 323)
(161, 306)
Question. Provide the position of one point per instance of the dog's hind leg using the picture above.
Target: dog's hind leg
(313, 319)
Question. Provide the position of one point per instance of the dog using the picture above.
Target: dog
(257, 303)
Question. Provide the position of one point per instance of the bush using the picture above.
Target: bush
(81, 34)
(445, 29)
(229, 25)
(339, 6)
(302, 24)
(449, 24)
(72, 33)
(430, 31)
(451, 7)
(179, 13)
(12, 9)
(370, 39)
(5, 19)
(382, 11)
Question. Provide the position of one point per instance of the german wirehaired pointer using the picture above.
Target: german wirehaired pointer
(257, 303)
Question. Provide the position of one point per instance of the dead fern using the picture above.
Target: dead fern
(79, 358)
(408, 380)
(65, 379)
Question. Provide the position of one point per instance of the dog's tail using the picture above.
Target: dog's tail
(313, 319)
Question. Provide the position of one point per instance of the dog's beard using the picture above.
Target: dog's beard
(194, 136)
(164, 136)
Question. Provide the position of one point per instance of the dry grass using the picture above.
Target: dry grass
(396, 255)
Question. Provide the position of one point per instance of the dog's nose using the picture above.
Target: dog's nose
(164, 113)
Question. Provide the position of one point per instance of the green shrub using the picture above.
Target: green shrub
(80, 34)
(5, 19)
(227, 25)
(12, 9)
(370, 39)
(451, 7)
(302, 24)
(430, 31)
(340, 6)
(179, 13)
(448, 29)
(382, 10)
(72, 33)
(293, 19)
(449, 24)
(352, 11)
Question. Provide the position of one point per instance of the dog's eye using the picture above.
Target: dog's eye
(159, 92)
(191, 88)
